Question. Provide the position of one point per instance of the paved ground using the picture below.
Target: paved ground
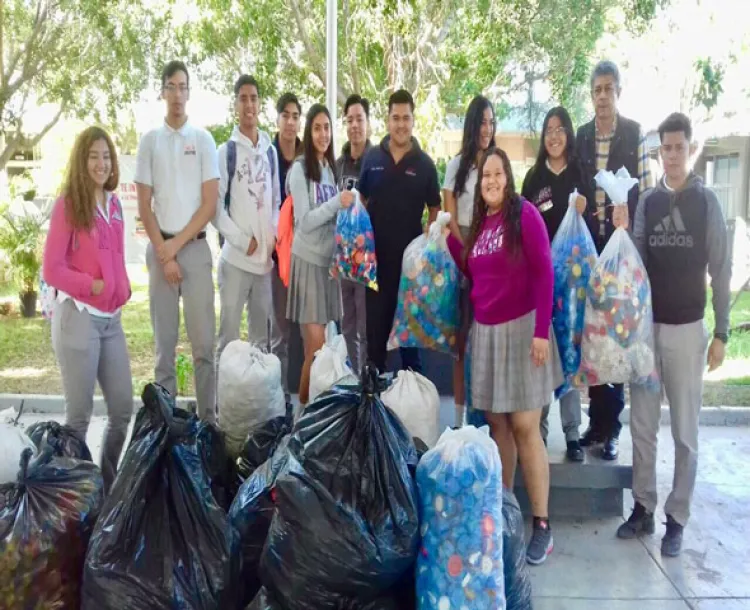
(591, 570)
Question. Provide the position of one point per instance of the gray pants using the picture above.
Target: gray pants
(354, 324)
(237, 289)
(91, 348)
(197, 292)
(280, 328)
(570, 415)
(680, 361)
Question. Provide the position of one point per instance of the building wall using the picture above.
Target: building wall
(733, 189)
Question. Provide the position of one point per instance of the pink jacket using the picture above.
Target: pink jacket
(73, 259)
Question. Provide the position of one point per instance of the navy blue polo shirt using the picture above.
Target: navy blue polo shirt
(396, 194)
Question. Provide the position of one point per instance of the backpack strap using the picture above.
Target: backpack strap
(231, 167)
(271, 153)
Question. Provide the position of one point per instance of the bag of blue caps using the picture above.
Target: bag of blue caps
(573, 259)
(460, 563)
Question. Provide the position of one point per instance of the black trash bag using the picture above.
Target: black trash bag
(217, 463)
(421, 447)
(264, 601)
(63, 439)
(46, 520)
(162, 541)
(262, 441)
(517, 580)
(346, 528)
(251, 514)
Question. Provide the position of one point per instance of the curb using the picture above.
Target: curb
(55, 404)
(709, 416)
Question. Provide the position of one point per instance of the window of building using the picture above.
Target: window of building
(723, 176)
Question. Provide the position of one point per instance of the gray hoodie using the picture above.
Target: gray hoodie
(680, 235)
(316, 205)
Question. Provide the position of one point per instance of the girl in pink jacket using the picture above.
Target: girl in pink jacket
(84, 261)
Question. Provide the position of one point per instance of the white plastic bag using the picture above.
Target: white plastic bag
(13, 440)
(416, 401)
(250, 391)
(618, 337)
(616, 185)
(331, 364)
(460, 563)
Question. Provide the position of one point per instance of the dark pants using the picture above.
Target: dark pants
(381, 308)
(606, 403)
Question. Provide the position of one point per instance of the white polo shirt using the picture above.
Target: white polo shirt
(175, 163)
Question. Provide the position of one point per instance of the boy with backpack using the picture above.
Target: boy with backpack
(247, 216)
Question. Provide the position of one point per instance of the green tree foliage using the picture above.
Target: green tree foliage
(444, 51)
(86, 58)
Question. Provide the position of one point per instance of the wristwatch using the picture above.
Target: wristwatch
(723, 337)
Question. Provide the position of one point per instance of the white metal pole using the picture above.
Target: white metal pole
(332, 58)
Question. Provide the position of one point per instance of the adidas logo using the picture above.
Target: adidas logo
(670, 231)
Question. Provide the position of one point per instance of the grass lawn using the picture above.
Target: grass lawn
(28, 366)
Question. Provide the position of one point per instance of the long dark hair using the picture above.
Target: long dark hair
(470, 142)
(310, 156)
(570, 145)
(510, 212)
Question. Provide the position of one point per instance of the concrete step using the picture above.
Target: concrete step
(592, 489)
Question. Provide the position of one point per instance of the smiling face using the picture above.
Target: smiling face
(176, 93)
(555, 139)
(400, 124)
(494, 181)
(321, 134)
(247, 107)
(99, 163)
(487, 129)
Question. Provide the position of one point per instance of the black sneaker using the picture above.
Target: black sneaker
(574, 452)
(640, 522)
(671, 544)
(611, 448)
(591, 437)
(541, 542)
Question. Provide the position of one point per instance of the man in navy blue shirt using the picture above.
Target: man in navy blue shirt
(397, 180)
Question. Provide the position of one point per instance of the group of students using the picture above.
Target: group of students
(499, 238)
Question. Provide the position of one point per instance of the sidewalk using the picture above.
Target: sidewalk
(591, 570)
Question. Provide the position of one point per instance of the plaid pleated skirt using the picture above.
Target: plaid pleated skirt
(314, 297)
(504, 379)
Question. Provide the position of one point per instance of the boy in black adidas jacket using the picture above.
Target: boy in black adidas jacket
(680, 232)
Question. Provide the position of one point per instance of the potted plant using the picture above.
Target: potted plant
(20, 240)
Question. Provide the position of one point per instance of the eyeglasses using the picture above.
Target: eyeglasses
(557, 131)
(171, 89)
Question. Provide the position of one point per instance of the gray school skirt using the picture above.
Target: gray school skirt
(503, 377)
(314, 297)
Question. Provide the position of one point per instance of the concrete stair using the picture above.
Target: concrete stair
(592, 489)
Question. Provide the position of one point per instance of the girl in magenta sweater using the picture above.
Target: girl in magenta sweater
(514, 369)
(84, 261)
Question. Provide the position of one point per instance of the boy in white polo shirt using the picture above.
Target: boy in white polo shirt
(247, 215)
(177, 168)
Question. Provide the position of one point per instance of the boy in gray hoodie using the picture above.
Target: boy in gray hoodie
(247, 215)
(680, 233)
